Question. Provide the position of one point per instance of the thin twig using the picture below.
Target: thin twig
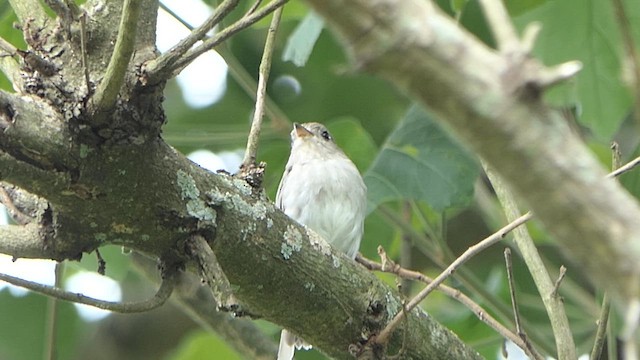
(157, 300)
(263, 77)
(601, 332)
(484, 316)
(243, 78)
(169, 58)
(52, 317)
(512, 291)
(625, 168)
(109, 88)
(556, 285)
(212, 273)
(224, 34)
(468, 254)
(528, 349)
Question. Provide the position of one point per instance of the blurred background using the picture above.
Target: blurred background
(428, 200)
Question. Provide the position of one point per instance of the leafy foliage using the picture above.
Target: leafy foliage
(420, 162)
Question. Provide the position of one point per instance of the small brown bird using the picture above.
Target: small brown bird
(323, 190)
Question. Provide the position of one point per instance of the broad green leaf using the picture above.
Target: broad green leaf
(301, 42)
(419, 161)
(585, 30)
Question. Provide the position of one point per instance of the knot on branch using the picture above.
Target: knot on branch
(253, 174)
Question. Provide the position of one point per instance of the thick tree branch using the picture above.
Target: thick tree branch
(498, 112)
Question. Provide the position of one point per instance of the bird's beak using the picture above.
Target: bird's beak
(301, 131)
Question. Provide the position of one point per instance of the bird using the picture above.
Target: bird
(322, 189)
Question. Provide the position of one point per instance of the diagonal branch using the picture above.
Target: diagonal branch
(169, 58)
(154, 74)
(467, 255)
(553, 304)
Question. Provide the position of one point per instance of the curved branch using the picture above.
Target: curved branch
(163, 293)
(109, 88)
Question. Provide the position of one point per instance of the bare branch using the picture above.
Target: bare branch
(263, 76)
(224, 34)
(468, 254)
(157, 300)
(456, 294)
(243, 78)
(169, 58)
(109, 88)
(601, 332)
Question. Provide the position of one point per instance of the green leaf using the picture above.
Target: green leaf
(203, 345)
(586, 31)
(301, 42)
(420, 161)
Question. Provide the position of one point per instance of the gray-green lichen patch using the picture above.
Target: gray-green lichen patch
(187, 185)
(84, 151)
(189, 191)
(309, 286)
(292, 242)
(144, 237)
(335, 260)
(101, 237)
(318, 242)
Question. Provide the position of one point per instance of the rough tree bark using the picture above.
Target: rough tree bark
(89, 167)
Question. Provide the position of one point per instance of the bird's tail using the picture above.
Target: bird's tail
(287, 346)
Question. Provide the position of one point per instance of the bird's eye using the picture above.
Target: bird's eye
(325, 135)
